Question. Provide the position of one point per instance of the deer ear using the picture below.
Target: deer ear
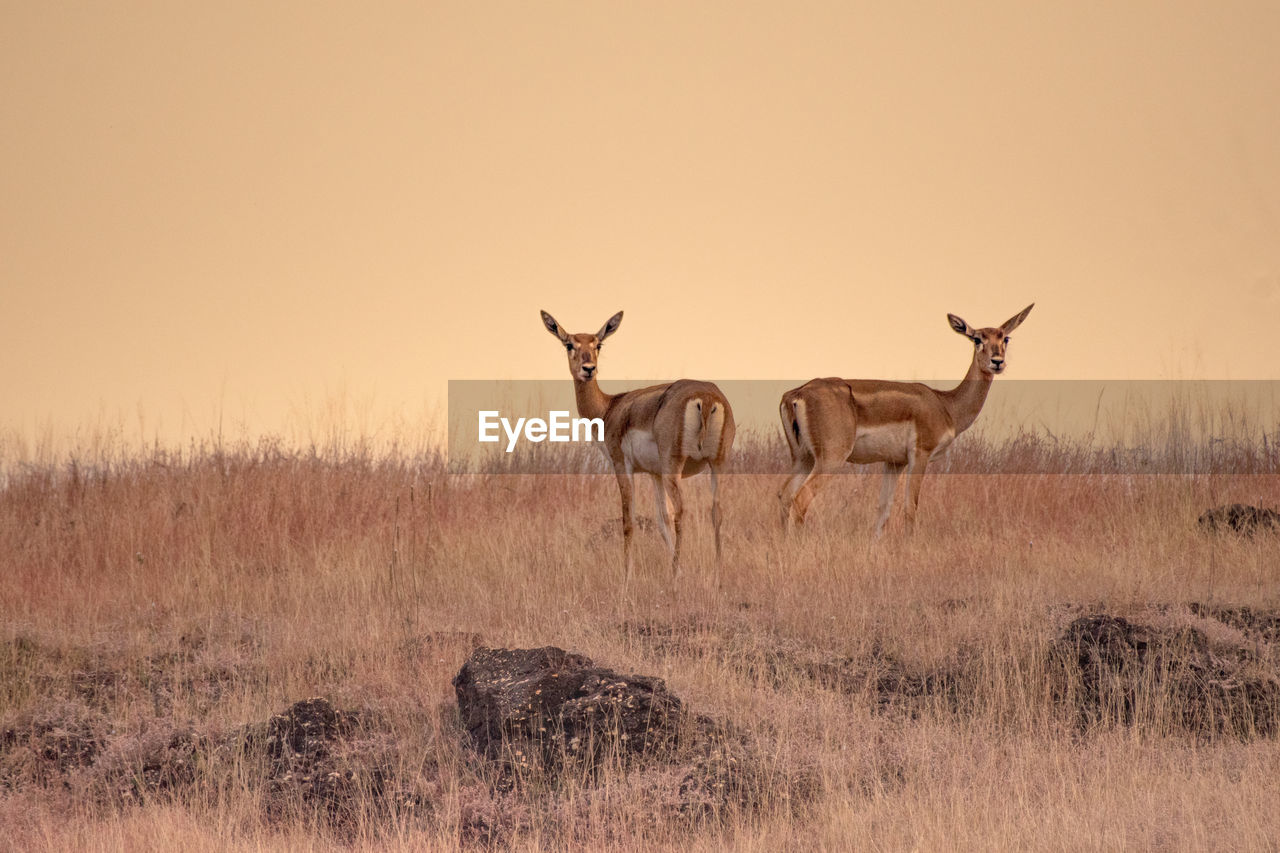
(553, 327)
(610, 327)
(960, 326)
(1013, 322)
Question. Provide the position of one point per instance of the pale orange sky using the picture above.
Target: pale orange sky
(254, 208)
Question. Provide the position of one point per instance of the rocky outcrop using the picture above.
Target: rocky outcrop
(532, 713)
(1125, 672)
(551, 705)
(1240, 518)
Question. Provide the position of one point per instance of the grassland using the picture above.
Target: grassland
(158, 608)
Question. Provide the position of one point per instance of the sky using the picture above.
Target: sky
(251, 216)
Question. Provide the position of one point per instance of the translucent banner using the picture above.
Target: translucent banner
(1024, 426)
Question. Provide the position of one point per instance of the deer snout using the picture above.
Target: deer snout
(588, 369)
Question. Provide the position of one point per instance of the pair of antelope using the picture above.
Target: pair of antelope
(678, 429)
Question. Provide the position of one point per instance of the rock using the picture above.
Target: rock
(305, 730)
(1240, 518)
(315, 757)
(56, 739)
(1254, 623)
(635, 713)
(547, 710)
(550, 704)
(1126, 672)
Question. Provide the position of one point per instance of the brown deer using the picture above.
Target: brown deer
(902, 424)
(668, 431)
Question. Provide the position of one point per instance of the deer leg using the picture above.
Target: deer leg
(807, 492)
(626, 489)
(915, 479)
(715, 519)
(800, 474)
(661, 513)
(888, 485)
(804, 485)
(671, 485)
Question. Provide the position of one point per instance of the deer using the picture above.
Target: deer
(668, 431)
(902, 424)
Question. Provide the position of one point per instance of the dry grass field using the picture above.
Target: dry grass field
(161, 614)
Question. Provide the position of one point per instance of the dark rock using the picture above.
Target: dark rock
(159, 763)
(171, 767)
(534, 713)
(53, 741)
(551, 704)
(635, 713)
(318, 759)
(1240, 518)
(1255, 623)
(306, 730)
(1125, 672)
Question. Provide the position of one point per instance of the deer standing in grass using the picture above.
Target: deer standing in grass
(902, 424)
(667, 431)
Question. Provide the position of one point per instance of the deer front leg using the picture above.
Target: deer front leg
(915, 479)
(671, 486)
(626, 489)
(888, 485)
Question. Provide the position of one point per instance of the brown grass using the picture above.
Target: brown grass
(158, 606)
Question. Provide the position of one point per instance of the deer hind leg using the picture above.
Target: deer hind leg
(802, 488)
(801, 464)
(818, 447)
(662, 513)
(801, 473)
(715, 522)
(671, 486)
(888, 485)
(804, 498)
(808, 476)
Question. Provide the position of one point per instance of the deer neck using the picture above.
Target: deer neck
(965, 400)
(592, 402)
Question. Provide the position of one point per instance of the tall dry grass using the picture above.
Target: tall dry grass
(153, 595)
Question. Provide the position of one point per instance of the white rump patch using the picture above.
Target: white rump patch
(804, 440)
(691, 441)
(702, 440)
(715, 428)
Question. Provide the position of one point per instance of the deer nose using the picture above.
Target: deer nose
(588, 369)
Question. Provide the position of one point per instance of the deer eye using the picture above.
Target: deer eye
(1006, 341)
(568, 348)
